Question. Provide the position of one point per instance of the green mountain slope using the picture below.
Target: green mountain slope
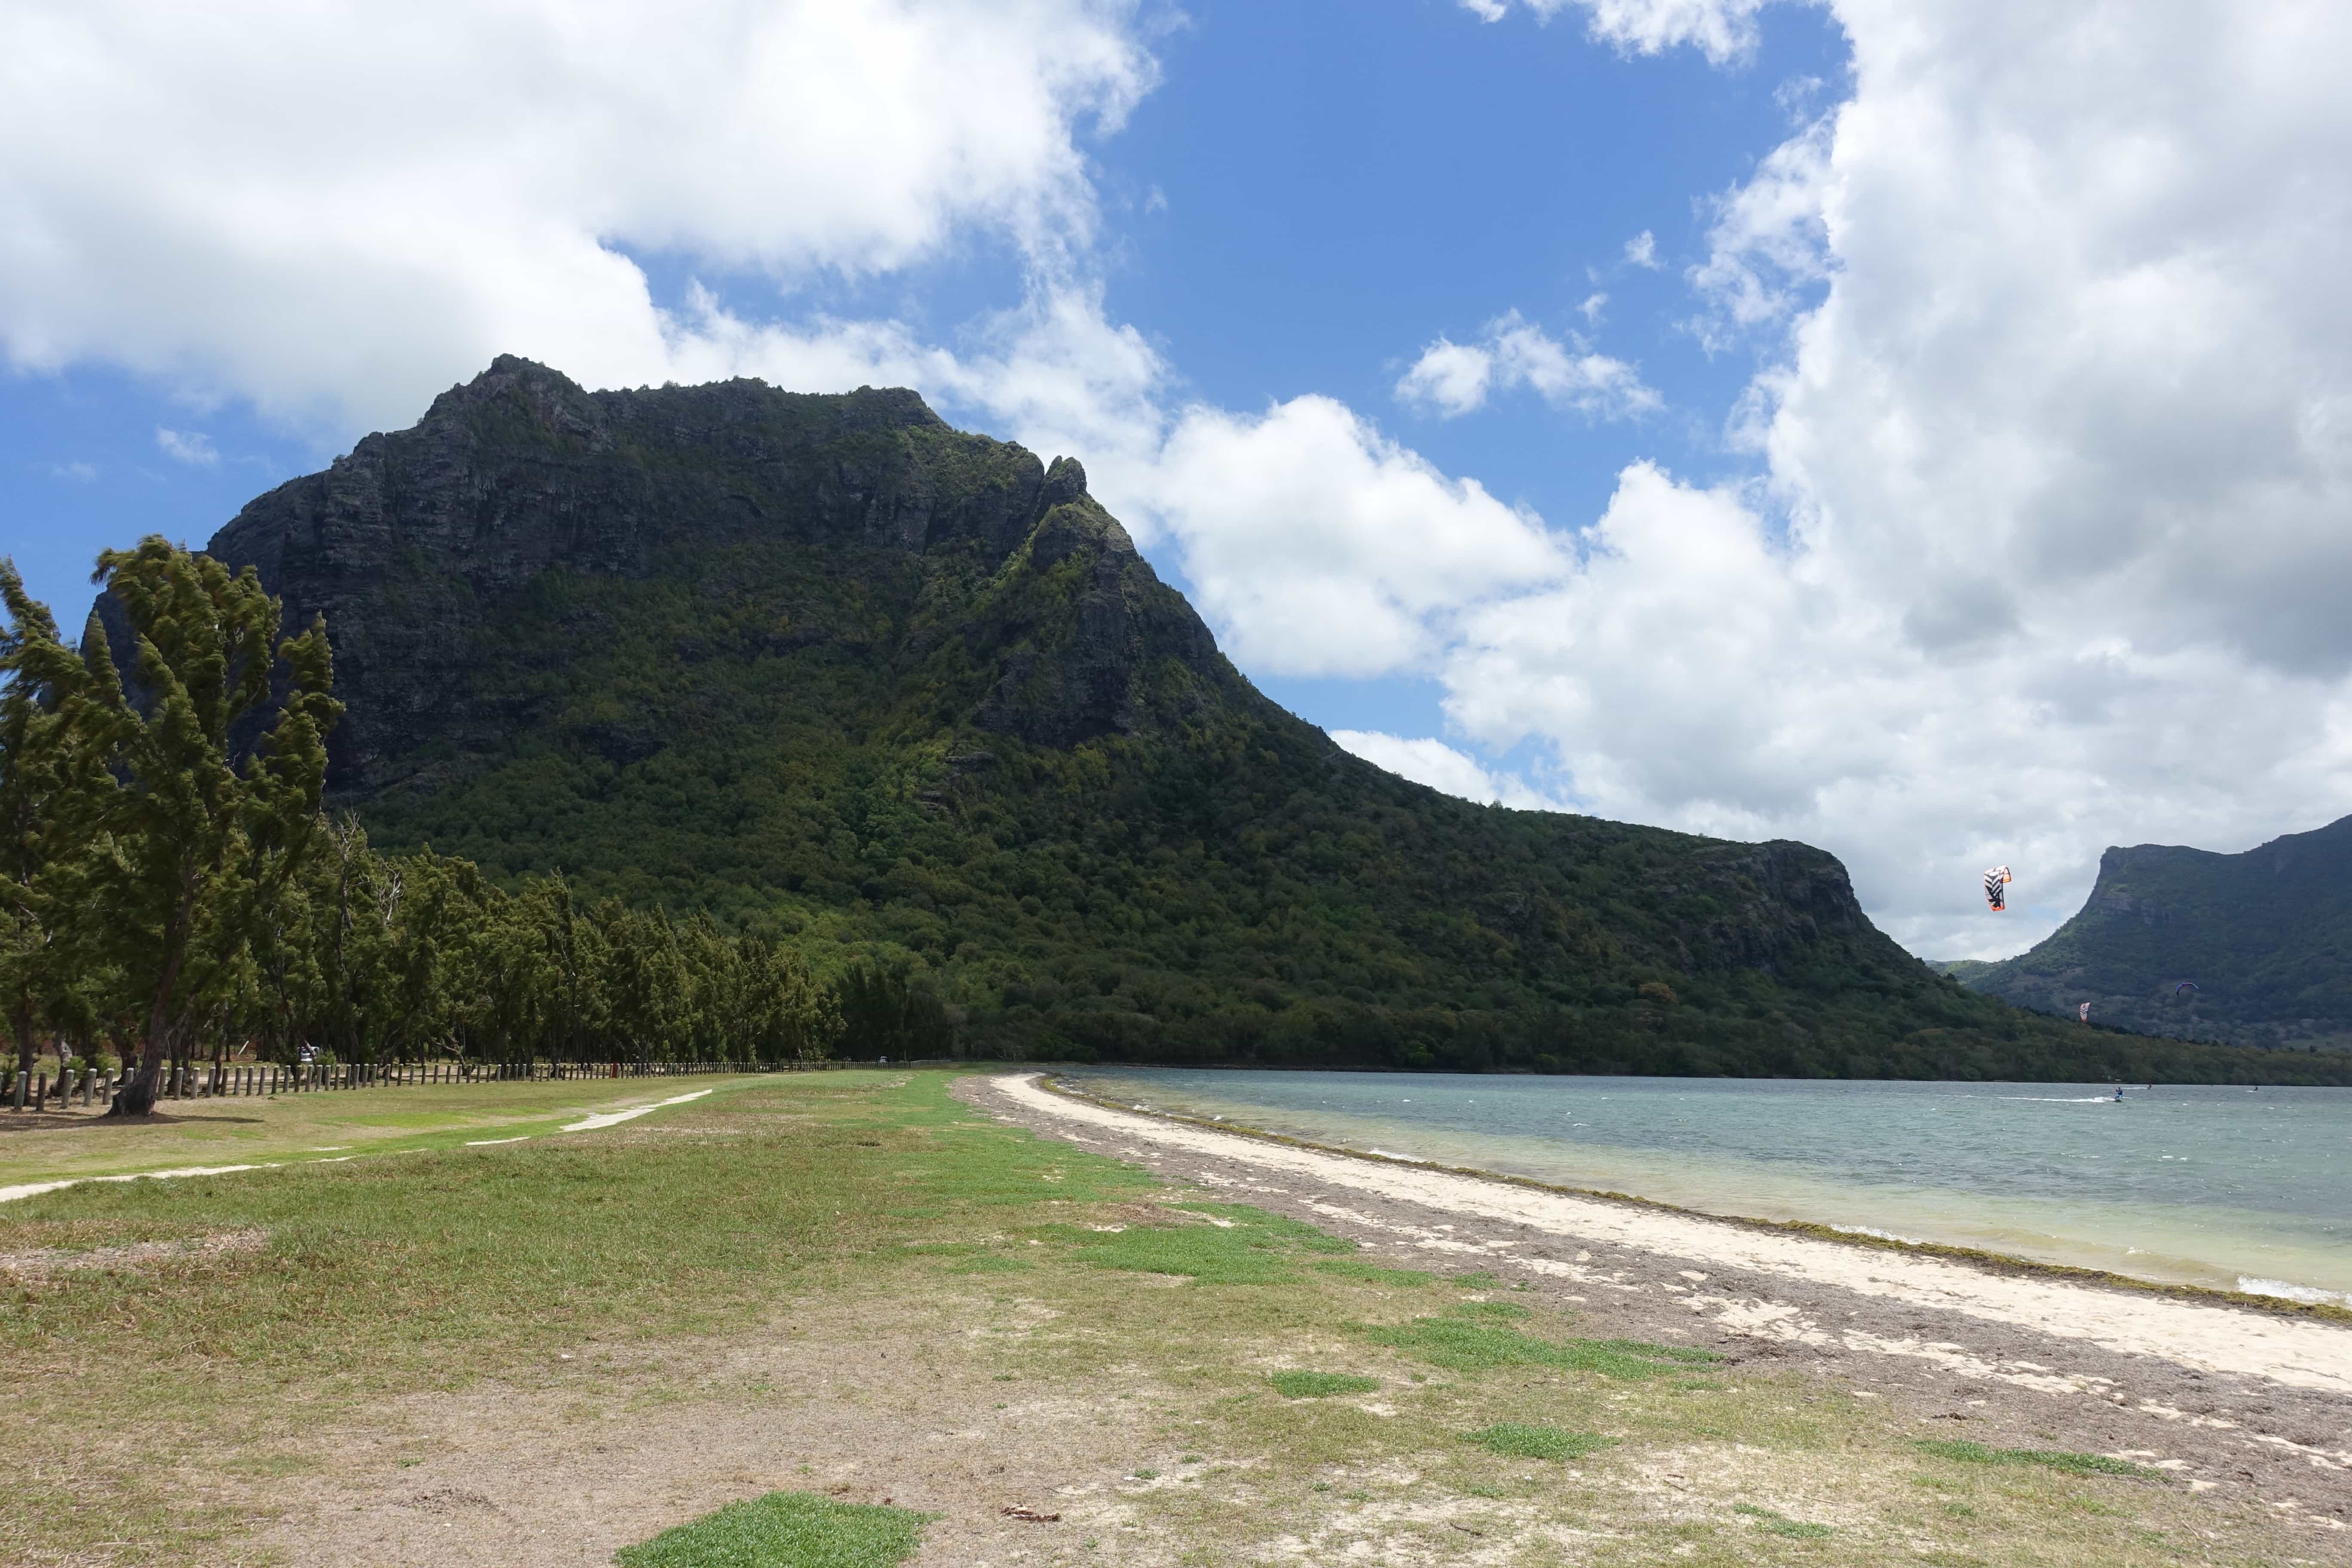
(2265, 936)
(825, 665)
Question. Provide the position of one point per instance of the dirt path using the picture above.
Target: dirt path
(2226, 1397)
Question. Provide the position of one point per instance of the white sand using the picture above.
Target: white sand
(34, 1189)
(2216, 1338)
(614, 1118)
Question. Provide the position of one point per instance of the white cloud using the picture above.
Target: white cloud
(189, 447)
(1722, 30)
(2049, 547)
(1443, 768)
(1769, 251)
(1451, 379)
(1642, 251)
(1319, 547)
(1314, 543)
(335, 210)
(80, 473)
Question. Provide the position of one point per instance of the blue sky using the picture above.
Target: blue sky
(1916, 430)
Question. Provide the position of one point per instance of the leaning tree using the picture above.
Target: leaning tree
(202, 831)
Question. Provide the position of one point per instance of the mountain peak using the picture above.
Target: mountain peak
(821, 664)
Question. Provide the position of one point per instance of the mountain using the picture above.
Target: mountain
(2265, 937)
(826, 667)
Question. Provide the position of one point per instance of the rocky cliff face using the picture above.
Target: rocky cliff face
(2263, 939)
(417, 544)
(824, 663)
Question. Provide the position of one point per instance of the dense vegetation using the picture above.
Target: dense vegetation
(1244, 894)
(677, 706)
(165, 899)
(2264, 938)
(823, 669)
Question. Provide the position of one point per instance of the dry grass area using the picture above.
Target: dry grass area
(538, 1353)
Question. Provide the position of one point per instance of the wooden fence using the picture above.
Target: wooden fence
(210, 1080)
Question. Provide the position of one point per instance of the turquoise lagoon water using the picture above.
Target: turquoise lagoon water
(2241, 1189)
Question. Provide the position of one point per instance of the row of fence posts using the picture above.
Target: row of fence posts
(212, 1080)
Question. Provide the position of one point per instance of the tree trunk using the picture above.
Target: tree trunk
(20, 1020)
(141, 1084)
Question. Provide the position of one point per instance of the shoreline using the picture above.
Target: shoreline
(2250, 1398)
(1052, 1081)
(2029, 1325)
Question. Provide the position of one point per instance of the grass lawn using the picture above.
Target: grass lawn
(823, 1309)
(251, 1130)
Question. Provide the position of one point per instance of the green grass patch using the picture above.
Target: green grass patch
(1374, 1274)
(1240, 1245)
(1464, 1345)
(1970, 1453)
(1506, 1310)
(786, 1530)
(1321, 1385)
(1781, 1523)
(1516, 1440)
(994, 1263)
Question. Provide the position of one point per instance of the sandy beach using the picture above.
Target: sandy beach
(2224, 1396)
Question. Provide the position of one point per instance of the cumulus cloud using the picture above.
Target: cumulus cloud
(1451, 379)
(1721, 29)
(1769, 248)
(1642, 251)
(1443, 767)
(2046, 549)
(1321, 547)
(189, 446)
(337, 222)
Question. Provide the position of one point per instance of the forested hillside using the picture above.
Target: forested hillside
(830, 671)
(2255, 949)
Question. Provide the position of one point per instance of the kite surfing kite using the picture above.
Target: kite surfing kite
(2083, 1012)
(1996, 888)
(2186, 985)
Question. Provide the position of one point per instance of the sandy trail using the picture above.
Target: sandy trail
(591, 1124)
(2297, 1354)
(614, 1118)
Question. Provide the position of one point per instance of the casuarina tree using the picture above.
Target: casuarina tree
(197, 844)
(50, 772)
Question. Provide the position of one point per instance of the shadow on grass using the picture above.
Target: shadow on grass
(99, 1122)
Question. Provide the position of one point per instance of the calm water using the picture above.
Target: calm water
(2238, 1188)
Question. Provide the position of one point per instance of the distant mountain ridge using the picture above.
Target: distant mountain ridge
(2265, 937)
(825, 665)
